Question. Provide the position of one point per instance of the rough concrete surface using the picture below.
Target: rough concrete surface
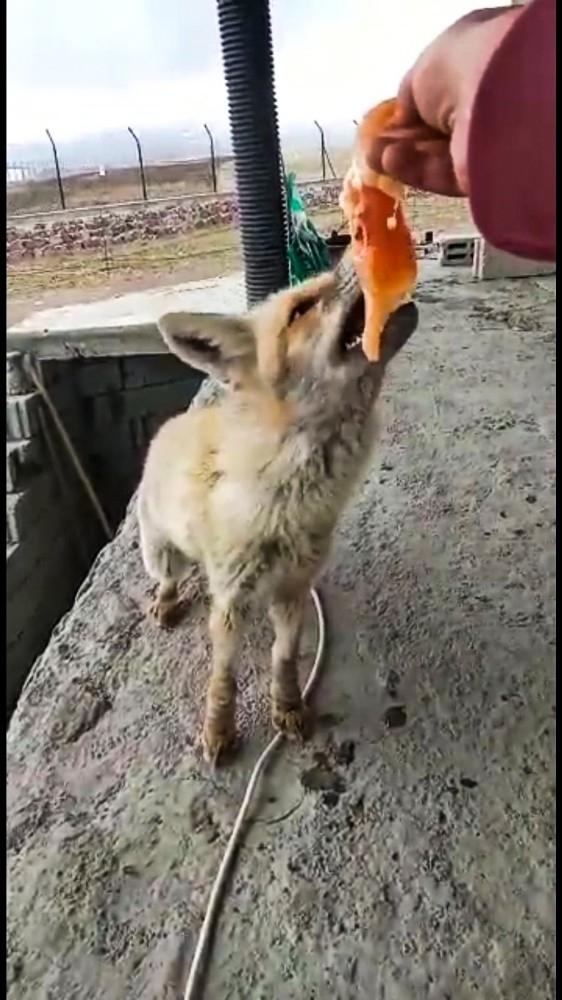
(407, 851)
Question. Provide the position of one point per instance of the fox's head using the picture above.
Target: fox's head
(301, 337)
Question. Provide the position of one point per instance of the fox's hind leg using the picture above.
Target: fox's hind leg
(166, 564)
(288, 711)
(166, 607)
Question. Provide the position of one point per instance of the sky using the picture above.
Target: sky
(83, 68)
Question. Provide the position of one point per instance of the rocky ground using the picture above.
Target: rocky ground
(407, 852)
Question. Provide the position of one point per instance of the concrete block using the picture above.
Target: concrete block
(457, 250)
(117, 409)
(94, 378)
(29, 632)
(24, 459)
(53, 371)
(490, 263)
(21, 415)
(44, 595)
(18, 381)
(168, 398)
(20, 656)
(16, 567)
(153, 370)
(41, 539)
(24, 509)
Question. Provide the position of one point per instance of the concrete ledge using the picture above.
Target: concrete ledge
(406, 854)
(111, 328)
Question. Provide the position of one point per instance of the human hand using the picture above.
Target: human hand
(426, 145)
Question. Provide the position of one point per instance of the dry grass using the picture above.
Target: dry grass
(61, 279)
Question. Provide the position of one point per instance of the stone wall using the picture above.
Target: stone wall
(113, 227)
(110, 407)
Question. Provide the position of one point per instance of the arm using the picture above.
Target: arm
(511, 154)
(477, 119)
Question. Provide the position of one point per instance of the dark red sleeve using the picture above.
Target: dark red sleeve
(512, 140)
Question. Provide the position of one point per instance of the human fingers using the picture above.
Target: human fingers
(427, 165)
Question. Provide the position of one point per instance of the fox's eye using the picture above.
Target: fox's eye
(302, 307)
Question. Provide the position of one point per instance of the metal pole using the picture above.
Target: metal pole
(322, 149)
(141, 164)
(213, 162)
(57, 170)
(247, 55)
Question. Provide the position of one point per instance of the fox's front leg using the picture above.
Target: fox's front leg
(288, 712)
(218, 726)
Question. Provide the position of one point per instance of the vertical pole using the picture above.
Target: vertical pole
(322, 149)
(57, 170)
(141, 163)
(247, 55)
(213, 161)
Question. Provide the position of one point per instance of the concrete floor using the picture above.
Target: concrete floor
(402, 854)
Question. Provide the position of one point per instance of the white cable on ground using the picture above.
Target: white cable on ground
(233, 844)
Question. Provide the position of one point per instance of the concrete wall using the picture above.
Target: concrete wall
(110, 408)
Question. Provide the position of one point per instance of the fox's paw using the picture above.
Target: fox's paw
(166, 614)
(294, 721)
(218, 740)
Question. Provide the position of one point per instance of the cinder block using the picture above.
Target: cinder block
(24, 509)
(21, 416)
(24, 459)
(112, 412)
(169, 398)
(490, 263)
(26, 643)
(94, 378)
(40, 540)
(44, 595)
(153, 370)
(53, 371)
(20, 657)
(457, 250)
(18, 381)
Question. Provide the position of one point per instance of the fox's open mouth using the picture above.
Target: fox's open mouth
(352, 329)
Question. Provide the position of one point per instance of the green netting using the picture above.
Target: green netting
(308, 252)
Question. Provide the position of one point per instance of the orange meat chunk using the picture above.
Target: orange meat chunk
(382, 245)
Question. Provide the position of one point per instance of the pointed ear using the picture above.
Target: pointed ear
(223, 346)
(398, 329)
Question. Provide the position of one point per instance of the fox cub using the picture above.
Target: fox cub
(249, 487)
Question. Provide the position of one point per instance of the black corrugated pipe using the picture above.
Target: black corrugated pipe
(247, 54)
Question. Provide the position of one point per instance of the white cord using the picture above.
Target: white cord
(213, 905)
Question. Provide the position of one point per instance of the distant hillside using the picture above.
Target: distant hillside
(116, 149)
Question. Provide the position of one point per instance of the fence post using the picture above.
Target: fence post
(213, 160)
(57, 169)
(141, 164)
(322, 149)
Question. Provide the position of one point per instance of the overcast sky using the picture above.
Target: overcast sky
(81, 67)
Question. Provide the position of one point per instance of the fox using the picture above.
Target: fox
(245, 491)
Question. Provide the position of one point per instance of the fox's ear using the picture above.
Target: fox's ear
(223, 346)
